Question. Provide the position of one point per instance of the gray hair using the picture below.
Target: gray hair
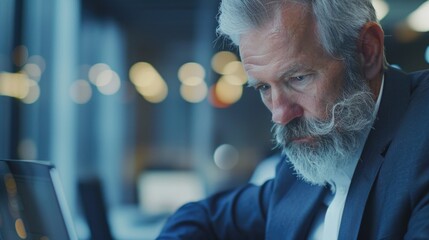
(338, 22)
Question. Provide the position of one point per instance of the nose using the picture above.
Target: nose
(283, 109)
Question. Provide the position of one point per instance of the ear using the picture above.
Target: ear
(371, 47)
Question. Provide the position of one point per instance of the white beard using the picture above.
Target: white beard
(335, 142)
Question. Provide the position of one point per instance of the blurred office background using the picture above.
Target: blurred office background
(142, 95)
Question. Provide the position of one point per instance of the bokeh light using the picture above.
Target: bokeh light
(191, 73)
(38, 60)
(20, 228)
(381, 8)
(33, 92)
(226, 156)
(193, 81)
(108, 82)
(194, 93)
(419, 19)
(148, 82)
(80, 91)
(404, 34)
(95, 71)
(213, 98)
(14, 85)
(233, 80)
(156, 93)
(155, 88)
(235, 68)
(143, 74)
(221, 59)
(226, 92)
(18, 85)
(33, 71)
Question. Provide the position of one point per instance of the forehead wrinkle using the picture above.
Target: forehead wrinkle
(252, 79)
(283, 30)
(297, 13)
(272, 30)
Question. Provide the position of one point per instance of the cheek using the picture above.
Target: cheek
(315, 104)
(324, 101)
(266, 99)
(335, 80)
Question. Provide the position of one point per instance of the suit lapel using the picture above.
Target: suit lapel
(395, 98)
(292, 212)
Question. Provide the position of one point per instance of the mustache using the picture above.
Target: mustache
(300, 128)
(348, 116)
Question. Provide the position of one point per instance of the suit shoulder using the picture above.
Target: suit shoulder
(419, 81)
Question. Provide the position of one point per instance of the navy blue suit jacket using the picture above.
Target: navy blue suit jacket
(388, 196)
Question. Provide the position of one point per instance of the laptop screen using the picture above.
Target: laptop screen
(31, 202)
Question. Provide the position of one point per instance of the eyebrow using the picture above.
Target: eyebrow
(252, 82)
(293, 70)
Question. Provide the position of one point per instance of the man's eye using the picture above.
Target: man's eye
(262, 87)
(299, 78)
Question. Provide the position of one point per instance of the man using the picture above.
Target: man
(353, 130)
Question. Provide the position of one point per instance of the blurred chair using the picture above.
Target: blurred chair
(94, 208)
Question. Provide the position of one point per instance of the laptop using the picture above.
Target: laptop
(32, 204)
